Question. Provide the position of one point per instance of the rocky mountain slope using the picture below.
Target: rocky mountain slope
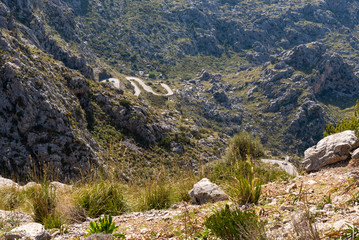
(49, 110)
(301, 55)
(278, 69)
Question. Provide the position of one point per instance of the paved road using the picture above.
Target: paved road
(137, 89)
(286, 166)
(148, 88)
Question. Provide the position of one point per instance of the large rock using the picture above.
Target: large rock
(204, 191)
(33, 231)
(332, 149)
(4, 182)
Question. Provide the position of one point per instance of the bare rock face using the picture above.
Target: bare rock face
(33, 231)
(332, 149)
(205, 191)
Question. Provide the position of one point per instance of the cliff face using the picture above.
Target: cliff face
(41, 118)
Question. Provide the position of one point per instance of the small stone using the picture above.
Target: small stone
(328, 206)
(291, 187)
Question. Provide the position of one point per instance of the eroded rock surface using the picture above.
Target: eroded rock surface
(329, 150)
(32, 231)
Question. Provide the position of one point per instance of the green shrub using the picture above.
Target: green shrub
(105, 225)
(43, 201)
(157, 195)
(53, 220)
(344, 124)
(152, 75)
(235, 224)
(126, 103)
(247, 185)
(242, 145)
(102, 197)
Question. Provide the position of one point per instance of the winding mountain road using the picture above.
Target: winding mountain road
(116, 83)
(148, 88)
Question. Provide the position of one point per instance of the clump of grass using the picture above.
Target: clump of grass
(103, 197)
(235, 224)
(247, 184)
(350, 232)
(11, 198)
(157, 194)
(44, 201)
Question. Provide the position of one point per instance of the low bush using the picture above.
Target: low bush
(235, 224)
(102, 197)
(244, 145)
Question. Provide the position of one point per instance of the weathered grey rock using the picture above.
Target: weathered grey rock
(222, 98)
(104, 75)
(61, 187)
(18, 217)
(177, 147)
(332, 149)
(204, 75)
(30, 185)
(33, 231)
(355, 154)
(205, 191)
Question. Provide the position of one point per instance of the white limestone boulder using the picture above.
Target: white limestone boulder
(205, 191)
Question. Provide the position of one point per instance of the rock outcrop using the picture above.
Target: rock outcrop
(329, 150)
(31, 231)
(204, 191)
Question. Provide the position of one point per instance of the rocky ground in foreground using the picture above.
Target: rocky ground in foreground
(328, 197)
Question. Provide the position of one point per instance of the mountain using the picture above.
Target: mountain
(278, 69)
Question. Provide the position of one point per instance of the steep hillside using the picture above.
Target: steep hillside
(54, 118)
